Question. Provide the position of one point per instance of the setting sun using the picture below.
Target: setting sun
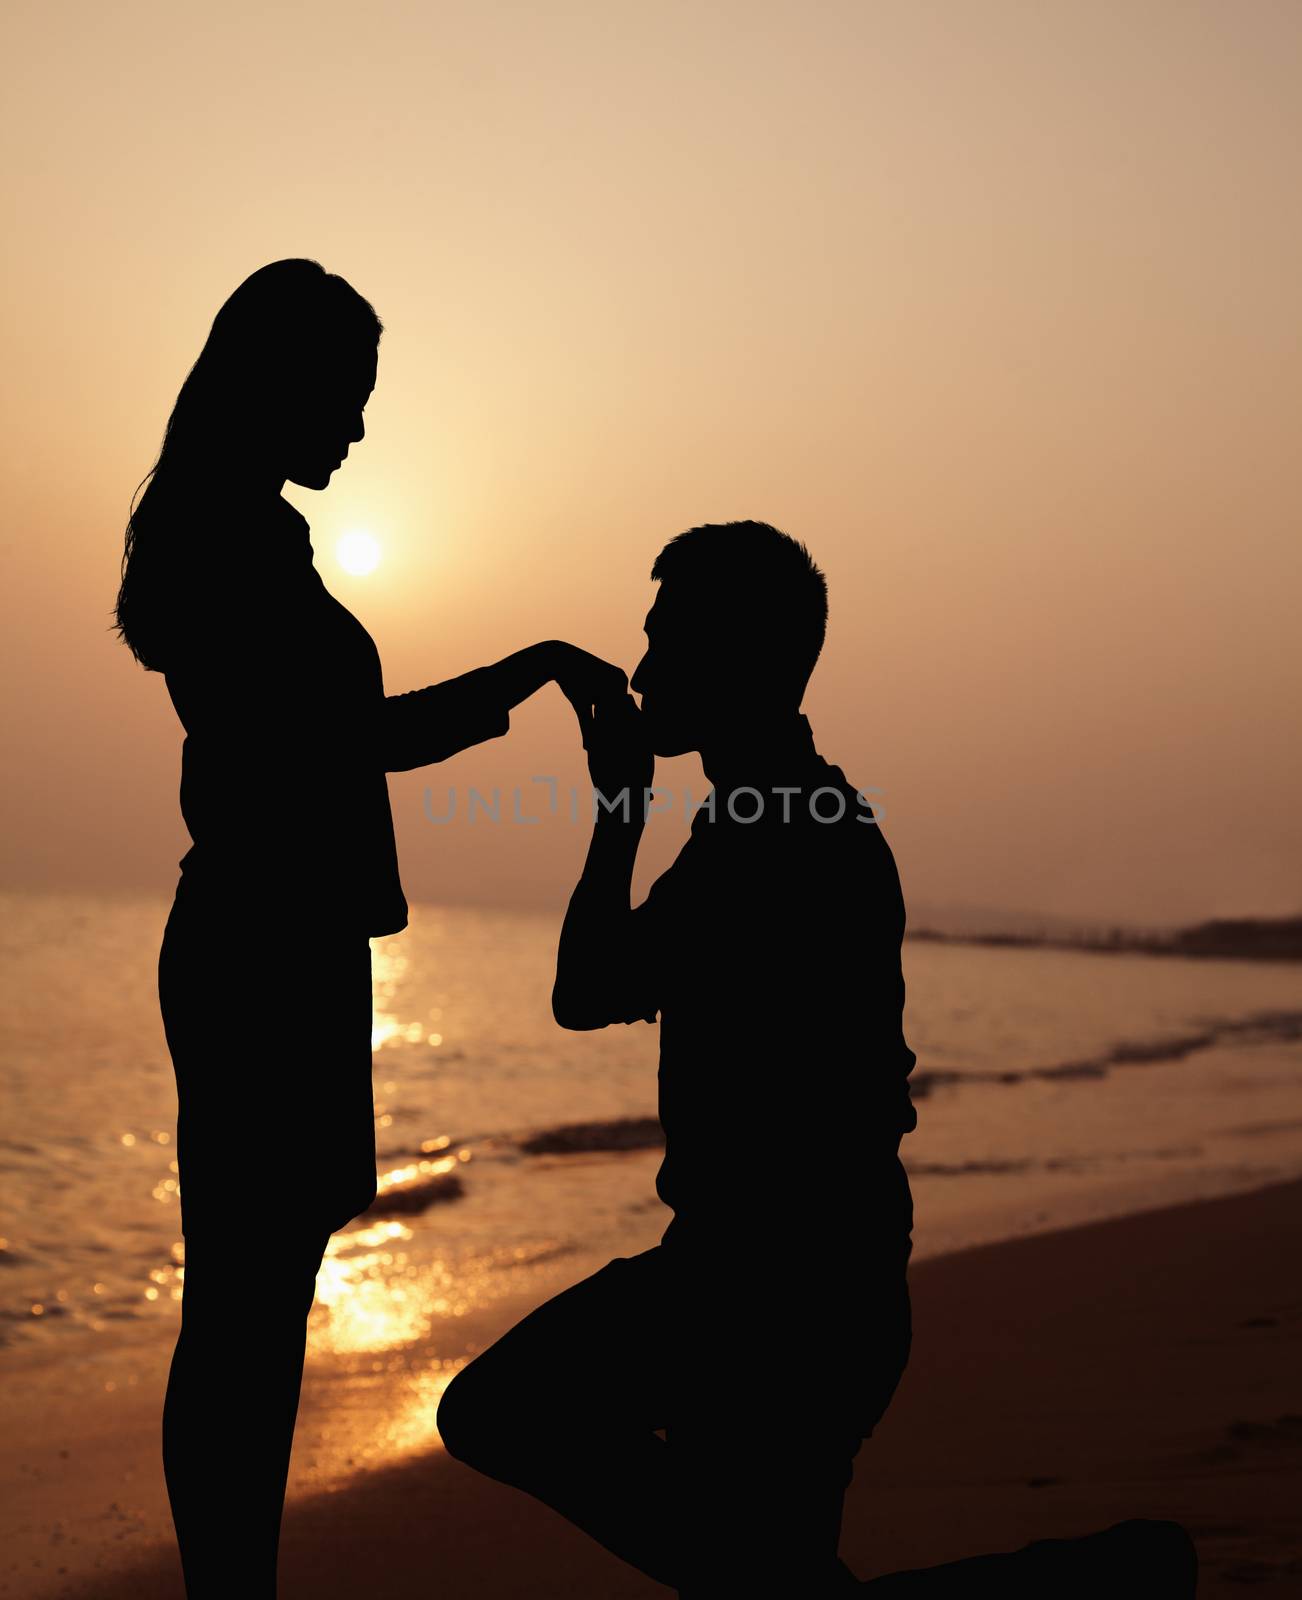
(358, 553)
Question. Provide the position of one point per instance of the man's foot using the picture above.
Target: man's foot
(1137, 1559)
(1155, 1559)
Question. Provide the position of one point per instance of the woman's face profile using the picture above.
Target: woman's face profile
(323, 419)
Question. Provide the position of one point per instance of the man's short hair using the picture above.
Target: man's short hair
(756, 585)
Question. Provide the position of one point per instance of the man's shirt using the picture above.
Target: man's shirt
(289, 736)
(771, 951)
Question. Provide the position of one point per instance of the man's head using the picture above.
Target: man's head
(732, 637)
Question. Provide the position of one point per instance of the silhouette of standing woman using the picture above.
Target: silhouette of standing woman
(264, 972)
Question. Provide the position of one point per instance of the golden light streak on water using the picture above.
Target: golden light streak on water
(412, 1429)
(388, 965)
(418, 1169)
(388, 968)
(370, 1297)
(379, 1325)
(381, 1417)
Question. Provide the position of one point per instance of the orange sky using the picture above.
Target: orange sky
(996, 305)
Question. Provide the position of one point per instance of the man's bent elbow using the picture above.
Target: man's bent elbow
(569, 1011)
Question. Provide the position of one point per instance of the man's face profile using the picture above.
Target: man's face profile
(684, 679)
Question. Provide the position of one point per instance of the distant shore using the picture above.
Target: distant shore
(1224, 939)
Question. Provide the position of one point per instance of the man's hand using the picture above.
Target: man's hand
(601, 971)
(619, 754)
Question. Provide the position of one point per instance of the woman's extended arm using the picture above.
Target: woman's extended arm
(432, 724)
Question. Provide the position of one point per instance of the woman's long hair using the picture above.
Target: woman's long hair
(272, 336)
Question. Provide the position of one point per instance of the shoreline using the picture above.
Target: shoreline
(1144, 1365)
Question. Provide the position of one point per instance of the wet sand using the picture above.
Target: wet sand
(1144, 1366)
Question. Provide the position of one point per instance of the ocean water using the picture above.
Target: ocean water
(1052, 1086)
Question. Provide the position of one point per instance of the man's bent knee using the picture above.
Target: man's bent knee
(466, 1422)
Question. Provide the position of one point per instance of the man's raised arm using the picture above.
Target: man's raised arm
(603, 965)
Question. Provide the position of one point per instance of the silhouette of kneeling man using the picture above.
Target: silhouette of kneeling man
(768, 1330)
(765, 1335)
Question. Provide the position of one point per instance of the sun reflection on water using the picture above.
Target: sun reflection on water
(380, 1324)
(388, 967)
(398, 1303)
(396, 1177)
(388, 971)
(364, 1297)
(371, 1295)
(411, 1428)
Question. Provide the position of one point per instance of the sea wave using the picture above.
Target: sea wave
(410, 1197)
(1262, 1027)
(579, 1138)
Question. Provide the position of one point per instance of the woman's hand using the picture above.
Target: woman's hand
(585, 680)
(619, 756)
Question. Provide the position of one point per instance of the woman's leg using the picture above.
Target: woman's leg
(232, 1397)
(228, 1420)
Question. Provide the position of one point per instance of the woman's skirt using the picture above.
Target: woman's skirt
(270, 1038)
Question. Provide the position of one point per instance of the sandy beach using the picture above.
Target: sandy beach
(1144, 1366)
